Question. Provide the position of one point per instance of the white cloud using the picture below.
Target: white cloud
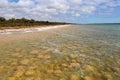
(77, 14)
(55, 9)
(88, 9)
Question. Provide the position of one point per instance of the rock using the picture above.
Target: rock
(47, 57)
(25, 61)
(44, 56)
(32, 67)
(109, 77)
(73, 56)
(117, 69)
(51, 66)
(67, 59)
(57, 71)
(13, 63)
(30, 73)
(40, 56)
(33, 59)
(11, 78)
(95, 76)
(89, 68)
(30, 78)
(82, 51)
(21, 68)
(18, 73)
(62, 79)
(88, 78)
(38, 78)
(73, 61)
(17, 55)
(47, 51)
(2, 68)
(77, 65)
(74, 77)
(64, 65)
(17, 49)
(49, 71)
(48, 79)
(34, 52)
(65, 69)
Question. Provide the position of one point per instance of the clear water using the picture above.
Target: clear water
(77, 52)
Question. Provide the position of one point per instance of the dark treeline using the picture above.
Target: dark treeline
(23, 22)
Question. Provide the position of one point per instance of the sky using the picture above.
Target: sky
(72, 11)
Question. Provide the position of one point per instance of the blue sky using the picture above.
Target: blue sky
(74, 11)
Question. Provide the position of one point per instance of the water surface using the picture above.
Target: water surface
(77, 52)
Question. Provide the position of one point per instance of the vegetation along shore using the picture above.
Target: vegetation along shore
(14, 23)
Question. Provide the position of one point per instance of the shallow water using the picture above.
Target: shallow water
(77, 52)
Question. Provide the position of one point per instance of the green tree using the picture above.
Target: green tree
(2, 19)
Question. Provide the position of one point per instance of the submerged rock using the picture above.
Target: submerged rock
(73, 56)
(17, 55)
(49, 71)
(13, 63)
(32, 67)
(57, 71)
(18, 73)
(64, 65)
(74, 77)
(25, 61)
(21, 68)
(47, 56)
(30, 73)
(44, 56)
(88, 78)
(40, 56)
(89, 68)
(34, 52)
(77, 65)
(62, 79)
(2, 68)
(11, 78)
(31, 78)
(73, 60)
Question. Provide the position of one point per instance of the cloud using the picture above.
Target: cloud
(56, 10)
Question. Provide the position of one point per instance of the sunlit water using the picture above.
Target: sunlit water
(77, 52)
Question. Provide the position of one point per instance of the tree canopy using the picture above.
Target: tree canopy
(13, 22)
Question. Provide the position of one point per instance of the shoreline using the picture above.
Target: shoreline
(31, 29)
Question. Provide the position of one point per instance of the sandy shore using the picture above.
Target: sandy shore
(12, 35)
(34, 29)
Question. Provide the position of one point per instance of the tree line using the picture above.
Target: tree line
(13, 22)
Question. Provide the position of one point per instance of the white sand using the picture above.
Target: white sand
(34, 29)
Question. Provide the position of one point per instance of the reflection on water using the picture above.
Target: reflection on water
(86, 52)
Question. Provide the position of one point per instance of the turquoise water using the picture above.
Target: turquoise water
(77, 52)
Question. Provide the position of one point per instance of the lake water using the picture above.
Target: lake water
(75, 52)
